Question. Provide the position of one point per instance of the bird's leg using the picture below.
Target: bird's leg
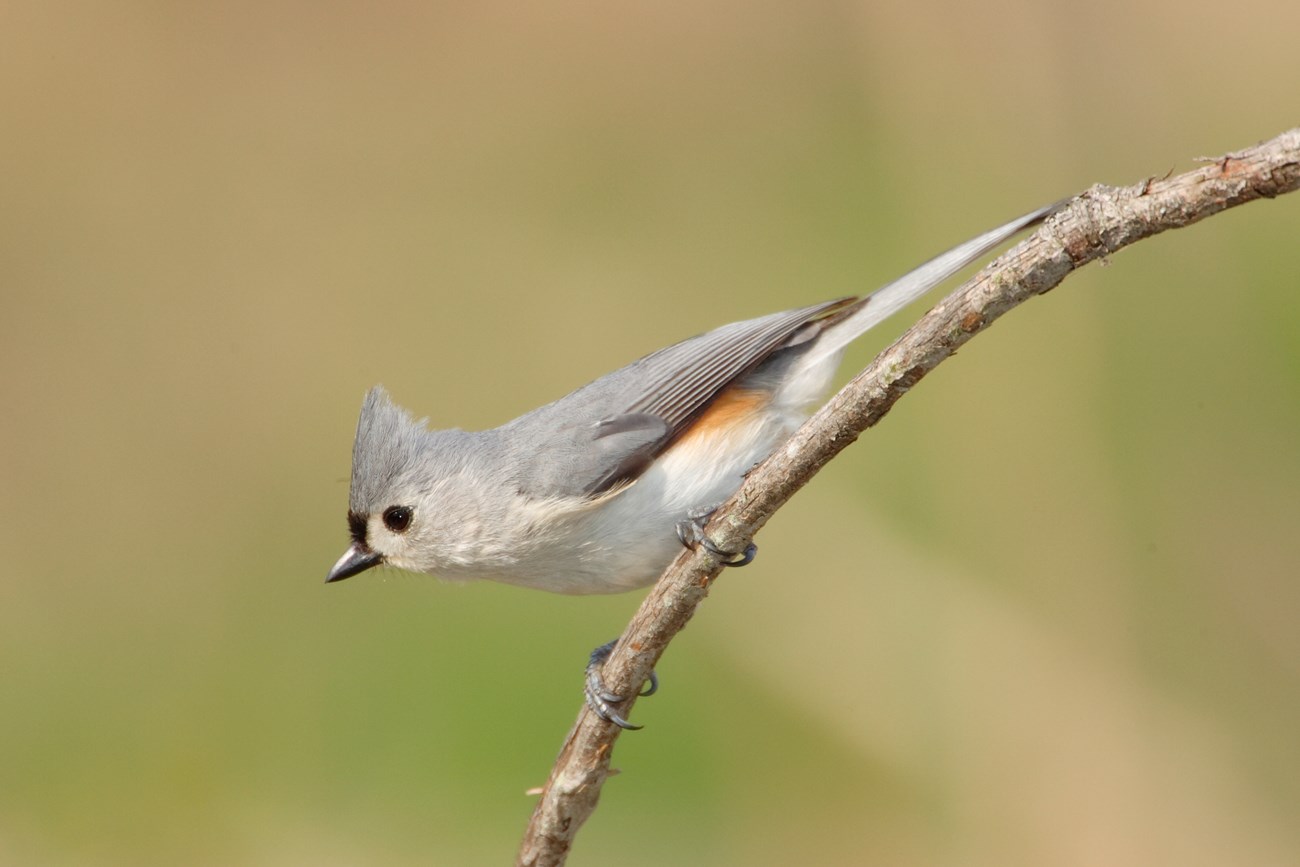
(691, 534)
(599, 699)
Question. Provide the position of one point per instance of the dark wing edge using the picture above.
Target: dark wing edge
(680, 382)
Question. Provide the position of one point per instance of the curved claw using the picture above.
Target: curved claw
(731, 558)
(620, 722)
(594, 688)
(690, 533)
(599, 698)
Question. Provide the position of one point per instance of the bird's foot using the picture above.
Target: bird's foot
(599, 698)
(691, 534)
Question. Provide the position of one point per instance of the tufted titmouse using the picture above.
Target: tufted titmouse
(584, 495)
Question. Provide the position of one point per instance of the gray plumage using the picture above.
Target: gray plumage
(582, 495)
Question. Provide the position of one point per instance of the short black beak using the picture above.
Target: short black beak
(355, 560)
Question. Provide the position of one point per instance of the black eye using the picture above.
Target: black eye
(397, 518)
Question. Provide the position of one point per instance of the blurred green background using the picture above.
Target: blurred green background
(1054, 616)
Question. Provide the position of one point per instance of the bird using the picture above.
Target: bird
(597, 491)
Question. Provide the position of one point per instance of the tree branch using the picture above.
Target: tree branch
(1097, 223)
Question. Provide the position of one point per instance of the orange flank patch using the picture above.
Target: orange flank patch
(733, 407)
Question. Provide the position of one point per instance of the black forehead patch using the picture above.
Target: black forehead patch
(357, 527)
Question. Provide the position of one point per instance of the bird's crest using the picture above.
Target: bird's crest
(387, 445)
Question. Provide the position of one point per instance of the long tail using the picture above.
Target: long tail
(890, 298)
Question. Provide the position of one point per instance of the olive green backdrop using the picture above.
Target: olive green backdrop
(1046, 614)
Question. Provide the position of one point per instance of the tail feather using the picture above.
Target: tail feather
(892, 297)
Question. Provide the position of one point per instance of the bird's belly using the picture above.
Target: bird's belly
(626, 540)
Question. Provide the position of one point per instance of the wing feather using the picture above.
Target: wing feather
(679, 382)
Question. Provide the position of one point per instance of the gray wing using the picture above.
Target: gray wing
(679, 382)
(609, 431)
